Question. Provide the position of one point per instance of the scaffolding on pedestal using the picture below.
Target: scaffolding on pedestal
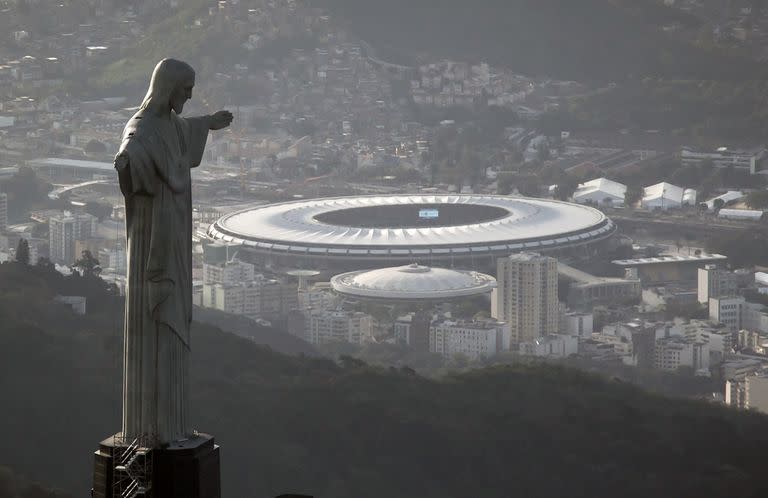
(132, 466)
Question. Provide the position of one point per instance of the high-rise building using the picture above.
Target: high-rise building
(756, 393)
(715, 282)
(727, 310)
(526, 296)
(413, 330)
(3, 212)
(64, 231)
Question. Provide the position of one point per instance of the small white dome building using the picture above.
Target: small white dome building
(412, 283)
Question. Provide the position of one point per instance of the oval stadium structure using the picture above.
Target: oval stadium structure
(386, 230)
(411, 283)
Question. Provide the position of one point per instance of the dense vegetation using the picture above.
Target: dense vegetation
(587, 40)
(697, 108)
(349, 430)
(13, 486)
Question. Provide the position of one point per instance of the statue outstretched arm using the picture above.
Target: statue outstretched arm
(196, 130)
(220, 119)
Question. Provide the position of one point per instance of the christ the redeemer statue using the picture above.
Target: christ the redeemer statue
(157, 152)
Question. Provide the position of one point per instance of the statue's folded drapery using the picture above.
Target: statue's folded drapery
(157, 189)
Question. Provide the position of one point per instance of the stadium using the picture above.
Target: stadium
(451, 230)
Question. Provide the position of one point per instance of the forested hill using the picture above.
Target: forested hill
(568, 39)
(13, 486)
(344, 430)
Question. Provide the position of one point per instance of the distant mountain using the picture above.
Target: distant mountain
(299, 424)
(567, 39)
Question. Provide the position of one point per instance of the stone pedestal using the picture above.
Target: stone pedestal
(183, 469)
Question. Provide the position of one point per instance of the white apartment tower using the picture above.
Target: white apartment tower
(526, 296)
(64, 230)
(715, 282)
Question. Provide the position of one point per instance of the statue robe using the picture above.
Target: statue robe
(156, 185)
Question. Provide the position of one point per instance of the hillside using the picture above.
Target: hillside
(13, 486)
(348, 430)
(586, 40)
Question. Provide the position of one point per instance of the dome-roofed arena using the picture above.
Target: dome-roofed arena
(387, 230)
(412, 282)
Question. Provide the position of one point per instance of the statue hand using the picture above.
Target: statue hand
(121, 160)
(220, 119)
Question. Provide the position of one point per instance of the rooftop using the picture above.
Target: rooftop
(412, 282)
(669, 259)
(59, 162)
(343, 225)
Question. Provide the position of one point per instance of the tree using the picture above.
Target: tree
(757, 199)
(718, 204)
(95, 147)
(25, 190)
(22, 252)
(566, 187)
(87, 265)
(100, 210)
(633, 195)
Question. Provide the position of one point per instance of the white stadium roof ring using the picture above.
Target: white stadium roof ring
(403, 226)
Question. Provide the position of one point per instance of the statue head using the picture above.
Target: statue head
(170, 87)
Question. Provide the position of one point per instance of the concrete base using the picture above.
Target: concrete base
(182, 469)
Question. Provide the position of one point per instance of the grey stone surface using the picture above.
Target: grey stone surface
(159, 147)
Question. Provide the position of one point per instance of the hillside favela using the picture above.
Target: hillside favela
(383, 248)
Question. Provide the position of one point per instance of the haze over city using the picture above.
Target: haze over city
(356, 248)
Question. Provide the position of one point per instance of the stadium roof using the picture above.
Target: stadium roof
(412, 282)
(669, 259)
(60, 162)
(526, 224)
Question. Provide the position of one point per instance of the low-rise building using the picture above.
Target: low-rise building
(750, 160)
(325, 326)
(551, 346)
(319, 296)
(577, 324)
(600, 191)
(738, 367)
(667, 196)
(677, 351)
(741, 214)
(585, 290)
(475, 339)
